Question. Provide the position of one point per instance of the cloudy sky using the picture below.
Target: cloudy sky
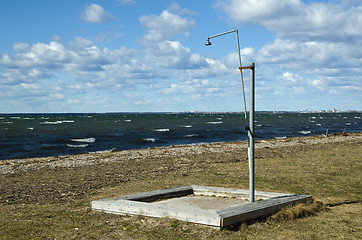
(141, 55)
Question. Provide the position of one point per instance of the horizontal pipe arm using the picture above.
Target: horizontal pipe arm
(217, 35)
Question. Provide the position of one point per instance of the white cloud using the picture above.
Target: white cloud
(316, 83)
(161, 50)
(294, 54)
(312, 68)
(247, 56)
(95, 13)
(56, 96)
(294, 17)
(79, 43)
(192, 87)
(163, 27)
(73, 101)
(291, 77)
(80, 59)
(213, 68)
(177, 9)
(171, 54)
(78, 74)
(32, 86)
(20, 47)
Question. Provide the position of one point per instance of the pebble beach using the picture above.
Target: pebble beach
(21, 165)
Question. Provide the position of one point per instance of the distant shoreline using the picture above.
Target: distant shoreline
(190, 112)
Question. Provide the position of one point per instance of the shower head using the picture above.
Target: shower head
(208, 43)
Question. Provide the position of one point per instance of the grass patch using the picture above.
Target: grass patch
(298, 211)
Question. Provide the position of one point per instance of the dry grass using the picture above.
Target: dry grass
(298, 211)
(54, 203)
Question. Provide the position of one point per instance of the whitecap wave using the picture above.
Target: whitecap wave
(162, 130)
(318, 124)
(190, 135)
(85, 140)
(305, 132)
(283, 137)
(149, 139)
(30, 128)
(104, 151)
(348, 123)
(220, 122)
(186, 126)
(128, 120)
(57, 122)
(77, 146)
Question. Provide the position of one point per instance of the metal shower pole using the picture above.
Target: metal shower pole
(251, 127)
(251, 133)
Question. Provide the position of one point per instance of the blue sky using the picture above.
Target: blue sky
(140, 55)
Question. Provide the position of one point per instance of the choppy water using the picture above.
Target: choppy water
(38, 135)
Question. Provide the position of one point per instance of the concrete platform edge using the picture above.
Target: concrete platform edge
(139, 204)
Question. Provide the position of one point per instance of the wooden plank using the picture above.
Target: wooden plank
(258, 209)
(159, 194)
(157, 210)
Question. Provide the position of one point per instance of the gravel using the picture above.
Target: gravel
(30, 164)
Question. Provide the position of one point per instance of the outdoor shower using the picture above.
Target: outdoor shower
(249, 128)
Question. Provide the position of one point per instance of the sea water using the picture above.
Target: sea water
(39, 135)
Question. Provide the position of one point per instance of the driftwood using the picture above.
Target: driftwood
(344, 132)
(326, 133)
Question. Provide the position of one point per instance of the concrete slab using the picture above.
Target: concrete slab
(213, 206)
(202, 202)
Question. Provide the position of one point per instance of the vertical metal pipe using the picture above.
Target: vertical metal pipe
(241, 72)
(251, 133)
(237, 40)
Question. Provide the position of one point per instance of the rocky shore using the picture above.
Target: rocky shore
(21, 165)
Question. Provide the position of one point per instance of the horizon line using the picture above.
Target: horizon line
(191, 112)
